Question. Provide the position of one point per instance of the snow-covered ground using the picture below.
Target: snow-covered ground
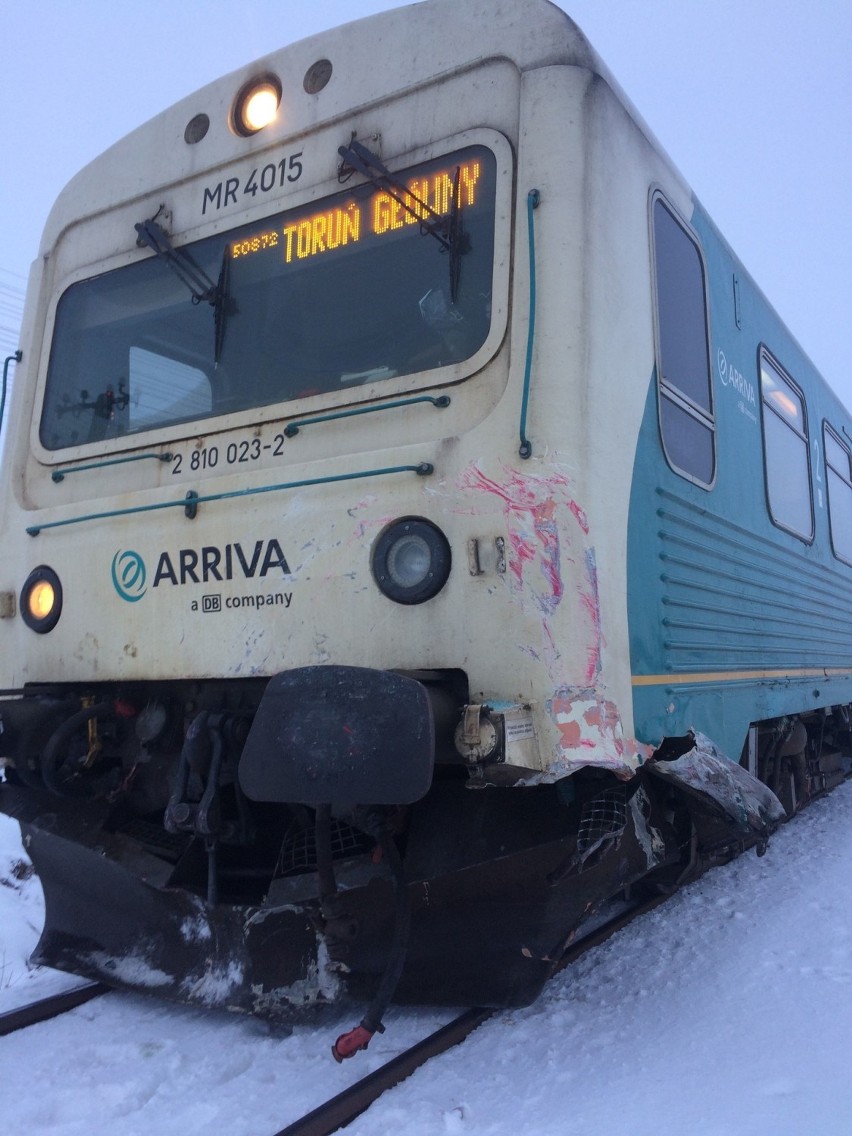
(727, 1012)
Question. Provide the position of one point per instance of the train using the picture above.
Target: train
(419, 531)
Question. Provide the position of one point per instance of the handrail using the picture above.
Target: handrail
(440, 402)
(61, 474)
(191, 501)
(16, 358)
(525, 449)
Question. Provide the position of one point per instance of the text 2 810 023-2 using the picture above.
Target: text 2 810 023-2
(235, 453)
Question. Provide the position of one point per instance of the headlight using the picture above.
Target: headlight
(411, 561)
(256, 105)
(41, 599)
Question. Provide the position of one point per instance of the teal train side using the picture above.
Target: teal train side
(735, 618)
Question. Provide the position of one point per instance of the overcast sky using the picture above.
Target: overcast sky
(751, 98)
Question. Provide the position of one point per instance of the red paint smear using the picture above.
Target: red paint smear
(602, 715)
(532, 500)
(591, 602)
(524, 553)
(580, 514)
(570, 734)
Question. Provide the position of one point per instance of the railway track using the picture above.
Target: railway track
(43, 1009)
(340, 1110)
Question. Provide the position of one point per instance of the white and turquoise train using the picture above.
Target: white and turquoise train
(417, 529)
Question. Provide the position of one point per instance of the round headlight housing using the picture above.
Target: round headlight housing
(411, 560)
(256, 105)
(41, 599)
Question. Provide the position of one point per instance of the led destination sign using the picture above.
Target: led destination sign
(328, 229)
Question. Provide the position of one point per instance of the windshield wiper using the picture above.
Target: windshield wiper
(447, 230)
(201, 287)
(153, 236)
(459, 242)
(223, 305)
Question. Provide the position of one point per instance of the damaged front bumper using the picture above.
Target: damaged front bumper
(489, 916)
(106, 923)
(496, 883)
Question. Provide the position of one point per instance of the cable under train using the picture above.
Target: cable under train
(418, 529)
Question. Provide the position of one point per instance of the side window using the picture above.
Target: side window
(785, 446)
(685, 391)
(838, 468)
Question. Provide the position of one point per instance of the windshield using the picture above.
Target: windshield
(349, 290)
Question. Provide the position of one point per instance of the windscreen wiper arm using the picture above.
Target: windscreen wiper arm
(447, 230)
(365, 162)
(201, 287)
(222, 304)
(458, 238)
(153, 236)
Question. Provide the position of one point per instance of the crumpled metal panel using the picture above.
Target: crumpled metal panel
(705, 773)
(103, 922)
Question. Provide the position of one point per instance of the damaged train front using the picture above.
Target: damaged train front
(230, 895)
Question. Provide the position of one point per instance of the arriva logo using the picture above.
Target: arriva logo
(129, 575)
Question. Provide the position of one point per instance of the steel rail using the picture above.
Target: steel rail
(52, 1006)
(342, 1109)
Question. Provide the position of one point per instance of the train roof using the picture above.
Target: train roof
(374, 58)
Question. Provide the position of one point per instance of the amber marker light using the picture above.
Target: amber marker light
(41, 599)
(256, 105)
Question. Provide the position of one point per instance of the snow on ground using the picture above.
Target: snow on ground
(727, 1012)
(21, 916)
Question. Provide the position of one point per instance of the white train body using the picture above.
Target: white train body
(538, 618)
